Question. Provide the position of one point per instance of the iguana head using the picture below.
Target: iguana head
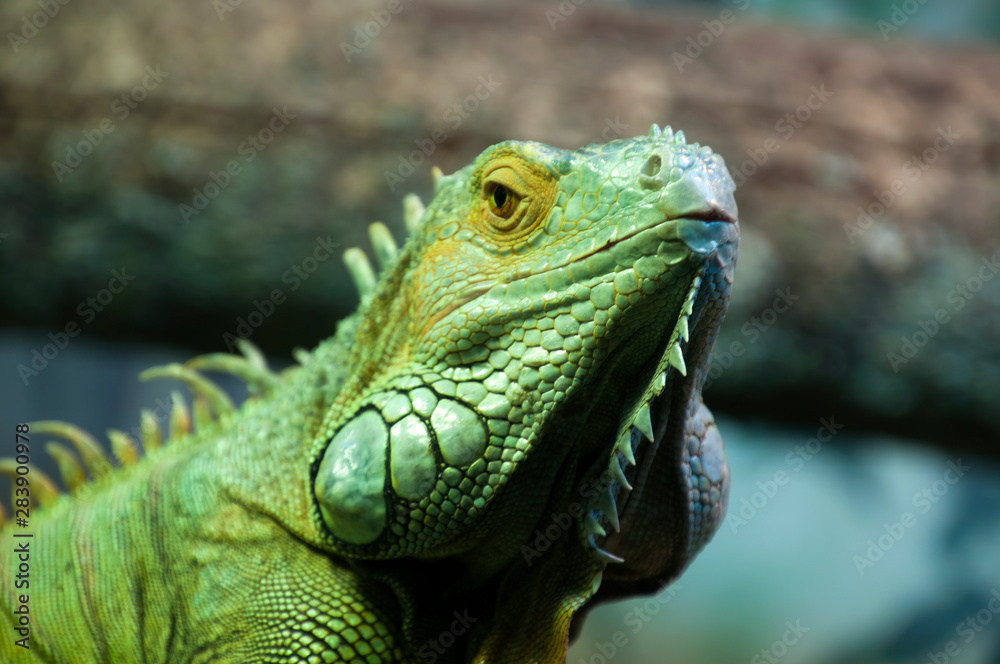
(538, 347)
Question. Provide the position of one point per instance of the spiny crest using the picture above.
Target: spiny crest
(668, 133)
(210, 402)
(386, 250)
(84, 456)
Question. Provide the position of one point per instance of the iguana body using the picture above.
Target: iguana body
(444, 479)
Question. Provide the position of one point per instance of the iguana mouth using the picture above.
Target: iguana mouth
(712, 214)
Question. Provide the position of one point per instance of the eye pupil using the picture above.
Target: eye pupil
(504, 204)
(500, 196)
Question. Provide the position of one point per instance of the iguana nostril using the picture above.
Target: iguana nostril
(652, 166)
(648, 173)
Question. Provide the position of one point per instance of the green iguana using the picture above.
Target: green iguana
(509, 430)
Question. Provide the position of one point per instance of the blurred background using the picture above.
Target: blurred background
(176, 174)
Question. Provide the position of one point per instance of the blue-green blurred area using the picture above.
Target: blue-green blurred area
(961, 21)
(864, 547)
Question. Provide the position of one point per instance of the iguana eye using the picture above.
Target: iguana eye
(504, 192)
(502, 200)
(513, 197)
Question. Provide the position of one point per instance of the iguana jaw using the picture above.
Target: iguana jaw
(656, 436)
